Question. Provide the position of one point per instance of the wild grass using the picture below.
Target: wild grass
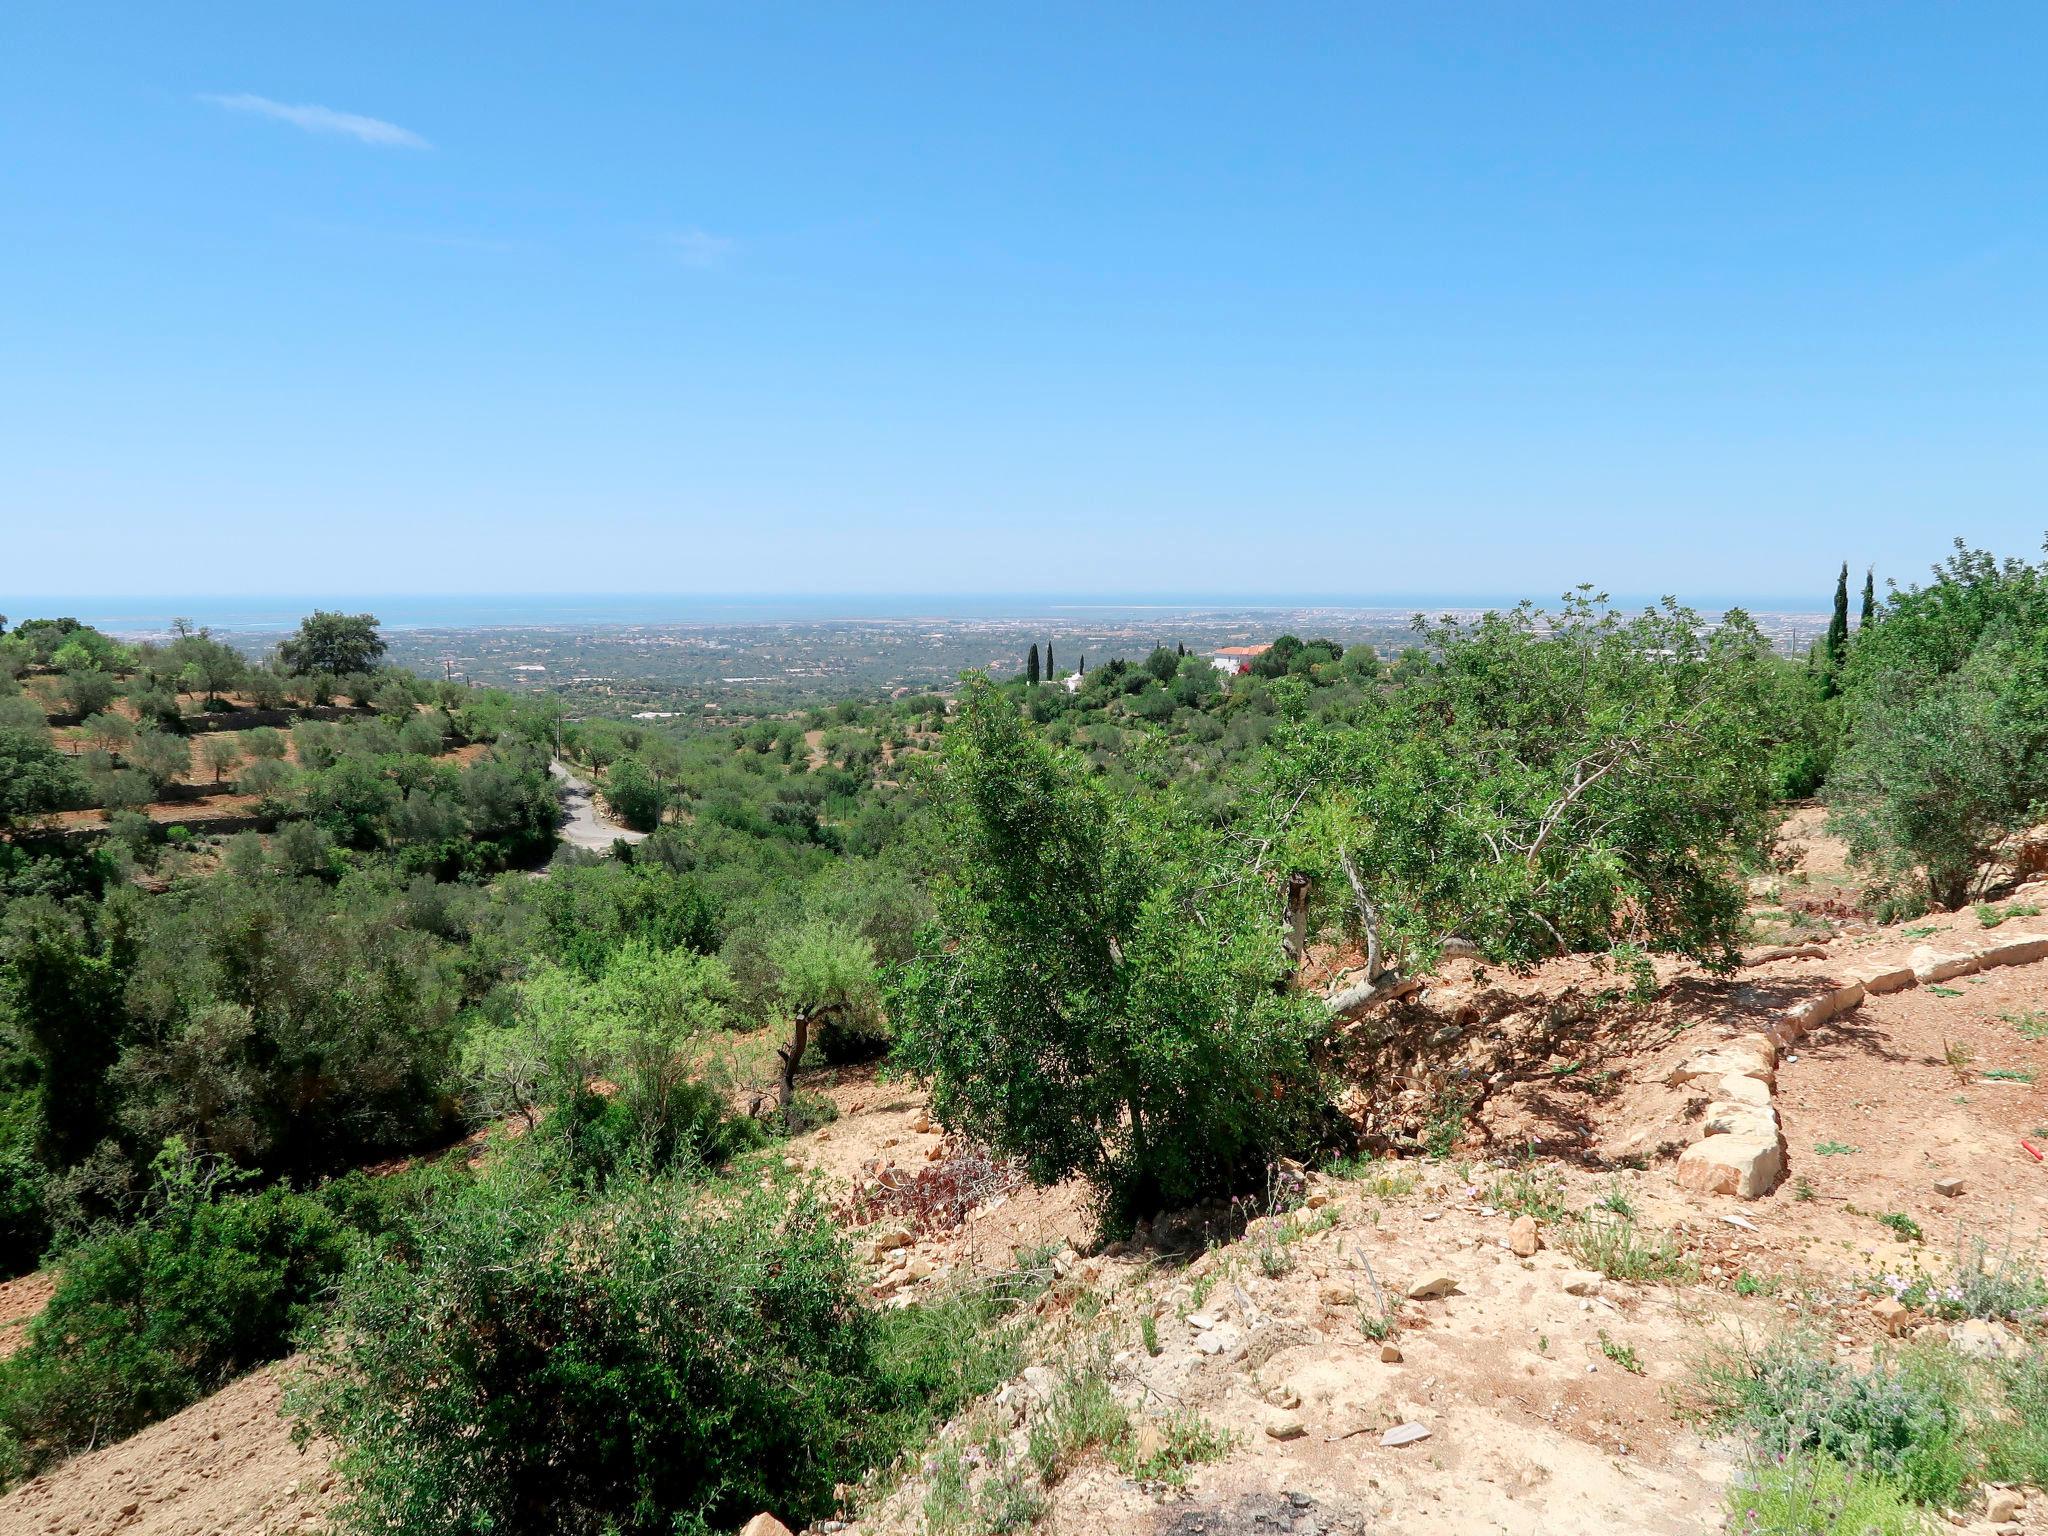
(2032, 1023)
(1816, 1495)
(1529, 1191)
(1621, 1250)
(1084, 1413)
(1182, 1439)
(1833, 1444)
(1623, 1355)
(1997, 1284)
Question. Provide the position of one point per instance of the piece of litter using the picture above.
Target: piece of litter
(1738, 1221)
(1405, 1434)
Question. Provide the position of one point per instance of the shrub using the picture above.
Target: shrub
(1895, 1421)
(146, 1319)
(668, 1360)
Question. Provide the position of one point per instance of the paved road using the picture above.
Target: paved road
(587, 826)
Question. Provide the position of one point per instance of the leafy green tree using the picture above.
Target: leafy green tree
(1559, 782)
(161, 755)
(287, 1027)
(825, 980)
(1276, 659)
(264, 687)
(122, 790)
(1162, 663)
(334, 644)
(221, 754)
(207, 667)
(1946, 708)
(1836, 646)
(634, 794)
(264, 744)
(88, 690)
(35, 778)
(639, 1025)
(1095, 997)
(109, 731)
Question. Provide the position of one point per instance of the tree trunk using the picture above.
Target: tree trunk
(792, 1054)
(1296, 942)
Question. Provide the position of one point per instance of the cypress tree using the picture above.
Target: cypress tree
(1082, 669)
(1838, 624)
(1869, 600)
(1031, 666)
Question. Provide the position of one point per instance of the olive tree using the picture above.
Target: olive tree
(1555, 782)
(1097, 996)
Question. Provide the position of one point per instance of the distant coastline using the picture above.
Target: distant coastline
(147, 615)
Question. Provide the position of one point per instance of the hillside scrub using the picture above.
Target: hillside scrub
(1945, 700)
(1553, 783)
(206, 1284)
(673, 1357)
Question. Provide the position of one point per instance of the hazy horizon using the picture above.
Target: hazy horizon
(242, 613)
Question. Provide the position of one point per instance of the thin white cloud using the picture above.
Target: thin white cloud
(349, 125)
(700, 248)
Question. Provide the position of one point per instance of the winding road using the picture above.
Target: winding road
(587, 826)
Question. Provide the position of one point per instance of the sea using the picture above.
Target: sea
(150, 615)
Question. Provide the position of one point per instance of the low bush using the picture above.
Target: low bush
(148, 1318)
(670, 1358)
(1816, 1495)
(1898, 1421)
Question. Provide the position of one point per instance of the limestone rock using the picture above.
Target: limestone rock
(1431, 1286)
(1948, 1188)
(1285, 1428)
(890, 1239)
(1737, 1089)
(1728, 1164)
(1390, 1353)
(1931, 965)
(1738, 1118)
(1895, 1317)
(1583, 1282)
(2003, 1505)
(765, 1524)
(2016, 951)
(1883, 977)
(1523, 1238)
(1984, 1340)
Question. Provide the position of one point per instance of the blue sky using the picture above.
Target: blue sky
(1091, 298)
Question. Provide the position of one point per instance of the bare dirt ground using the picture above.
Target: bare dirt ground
(21, 1299)
(223, 1467)
(1551, 1397)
